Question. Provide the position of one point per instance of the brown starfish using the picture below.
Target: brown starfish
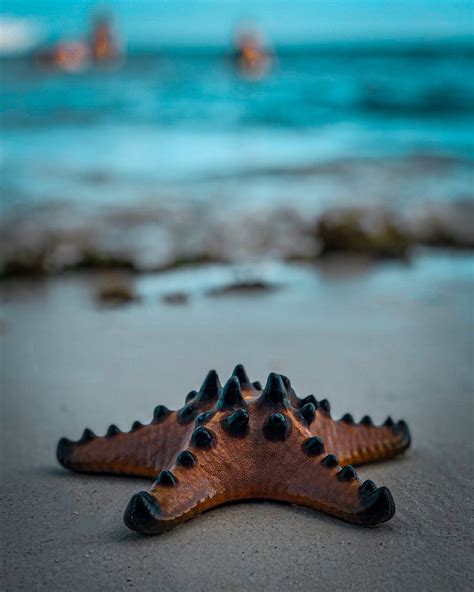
(241, 442)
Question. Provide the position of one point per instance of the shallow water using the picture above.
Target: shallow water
(332, 123)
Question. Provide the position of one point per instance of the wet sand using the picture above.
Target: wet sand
(395, 340)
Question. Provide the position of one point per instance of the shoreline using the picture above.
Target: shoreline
(146, 239)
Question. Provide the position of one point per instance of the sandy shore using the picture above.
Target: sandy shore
(396, 340)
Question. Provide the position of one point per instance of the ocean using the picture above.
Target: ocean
(374, 110)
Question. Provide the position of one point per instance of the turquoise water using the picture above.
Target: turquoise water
(365, 102)
(155, 23)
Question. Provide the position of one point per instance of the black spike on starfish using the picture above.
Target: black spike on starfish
(243, 442)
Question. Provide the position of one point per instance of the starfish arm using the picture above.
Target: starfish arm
(360, 443)
(353, 443)
(141, 452)
(261, 449)
(146, 448)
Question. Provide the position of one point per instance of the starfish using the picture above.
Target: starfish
(242, 441)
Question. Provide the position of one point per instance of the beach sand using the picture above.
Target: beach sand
(392, 340)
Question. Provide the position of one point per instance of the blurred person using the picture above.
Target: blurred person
(70, 56)
(104, 45)
(77, 55)
(251, 56)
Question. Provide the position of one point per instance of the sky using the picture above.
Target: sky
(155, 22)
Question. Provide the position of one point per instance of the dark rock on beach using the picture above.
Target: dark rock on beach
(117, 291)
(376, 235)
(177, 298)
(249, 287)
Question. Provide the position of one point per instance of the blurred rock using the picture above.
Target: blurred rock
(176, 298)
(190, 260)
(371, 233)
(117, 290)
(24, 263)
(95, 260)
(243, 288)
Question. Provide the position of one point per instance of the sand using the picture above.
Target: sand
(397, 341)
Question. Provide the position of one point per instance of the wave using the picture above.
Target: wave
(430, 102)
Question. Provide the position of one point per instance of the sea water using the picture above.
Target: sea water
(349, 112)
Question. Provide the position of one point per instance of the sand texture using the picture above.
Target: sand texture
(396, 341)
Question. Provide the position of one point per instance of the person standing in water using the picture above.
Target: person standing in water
(100, 47)
(251, 56)
(104, 46)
